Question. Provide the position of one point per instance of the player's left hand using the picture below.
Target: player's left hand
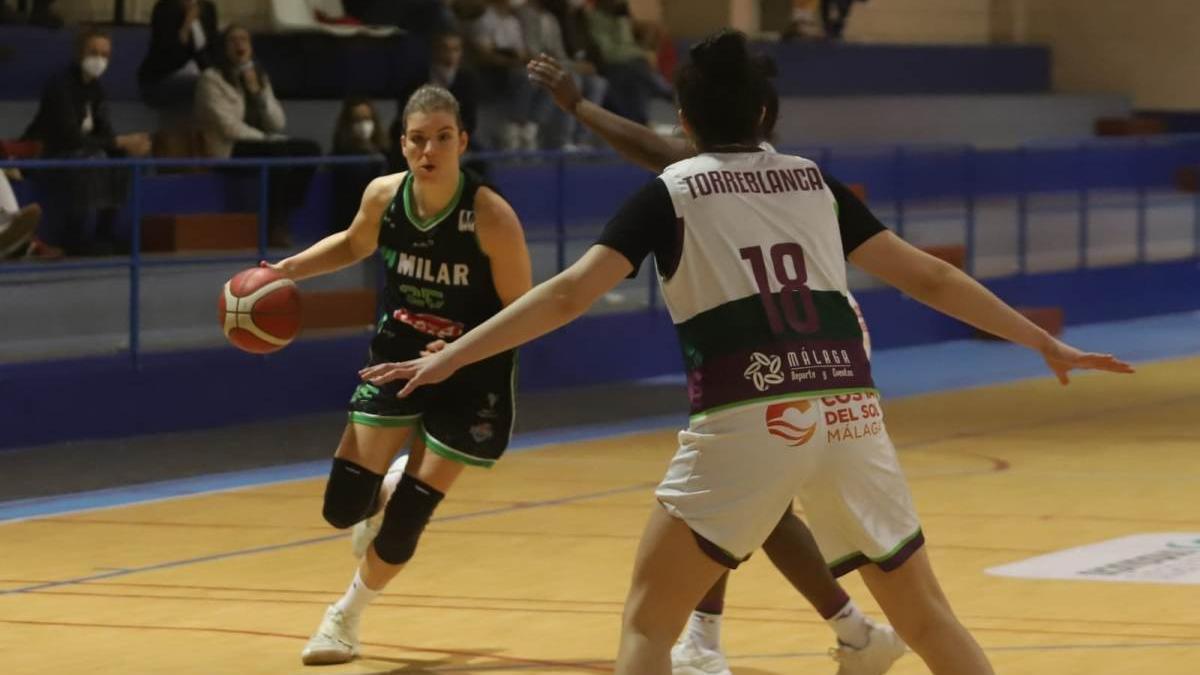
(1062, 358)
(429, 369)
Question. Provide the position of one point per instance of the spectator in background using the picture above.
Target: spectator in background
(544, 35)
(834, 14)
(18, 225)
(804, 24)
(358, 132)
(500, 44)
(40, 14)
(627, 65)
(446, 70)
(241, 117)
(183, 43)
(73, 121)
(419, 17)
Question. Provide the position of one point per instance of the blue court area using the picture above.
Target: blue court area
(899, 372)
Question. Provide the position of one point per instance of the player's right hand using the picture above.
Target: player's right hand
(547, 72)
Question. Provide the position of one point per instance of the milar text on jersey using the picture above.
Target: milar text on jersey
(437, 273)
(760, 182)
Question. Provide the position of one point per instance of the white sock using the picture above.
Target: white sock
(851, 626)
(356, 599)
(705, 630)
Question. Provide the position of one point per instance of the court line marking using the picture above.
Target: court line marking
(1010, 648)
(331, 537)
(148, 493)
(613, 611)
(590, 665)
(148, 586)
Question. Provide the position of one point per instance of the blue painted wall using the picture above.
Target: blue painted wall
(104, 397)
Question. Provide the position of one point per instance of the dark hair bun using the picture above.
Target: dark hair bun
(766, 65)
(723, 54)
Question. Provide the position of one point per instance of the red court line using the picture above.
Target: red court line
(613, 612)
(581, 665)
(615, 604)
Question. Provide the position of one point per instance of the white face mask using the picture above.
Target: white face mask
(364, 128)
(94, 66)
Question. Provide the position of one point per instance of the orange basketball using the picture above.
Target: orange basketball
(259, 310)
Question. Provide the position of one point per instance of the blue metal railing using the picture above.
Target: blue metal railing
(898, 175)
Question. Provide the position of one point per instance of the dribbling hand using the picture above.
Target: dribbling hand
(1062, 358)
(429, 369)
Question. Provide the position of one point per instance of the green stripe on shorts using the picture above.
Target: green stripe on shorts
(369, 420)
(441, 449)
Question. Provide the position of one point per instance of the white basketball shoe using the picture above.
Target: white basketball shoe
(883, 648)
(689, 658)
(336, 640)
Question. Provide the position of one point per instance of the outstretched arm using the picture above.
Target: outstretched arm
(548, 306)
(948, 290)
(633, 141)
(342, 249)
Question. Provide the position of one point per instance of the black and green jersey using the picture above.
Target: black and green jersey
(439, 281)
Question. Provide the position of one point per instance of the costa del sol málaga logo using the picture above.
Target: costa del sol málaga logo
(764, 371)
(792, 421)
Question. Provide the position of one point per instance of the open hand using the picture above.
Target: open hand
(429, 369)
(548, 73)
(1062, 358)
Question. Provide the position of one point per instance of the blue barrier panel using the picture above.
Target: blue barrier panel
(562, 198)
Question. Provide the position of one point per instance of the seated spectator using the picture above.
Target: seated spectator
(446, 70)
(627, 65)
(804, 23)
(73, 121)
(420, 17)
(40, 14)
(183, 43)
(834, 14)
(240, 117)
(18, 225)
(502, 53)
(358, 132)
(544, 34)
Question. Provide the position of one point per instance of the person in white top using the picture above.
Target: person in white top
(749, 251)
(863, 646)
(502, 51)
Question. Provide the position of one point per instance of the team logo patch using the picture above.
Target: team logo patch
(430, 324)
(794, 422)
(466, 221)
(482, 432)
(764, 371)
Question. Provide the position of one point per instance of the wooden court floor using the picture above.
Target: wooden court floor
(526, 566)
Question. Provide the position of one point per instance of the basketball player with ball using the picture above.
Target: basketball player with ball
(455, 255)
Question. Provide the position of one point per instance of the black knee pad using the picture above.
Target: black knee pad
(404, 518)
(351, 494)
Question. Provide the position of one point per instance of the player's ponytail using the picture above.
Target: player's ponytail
(721, 90)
